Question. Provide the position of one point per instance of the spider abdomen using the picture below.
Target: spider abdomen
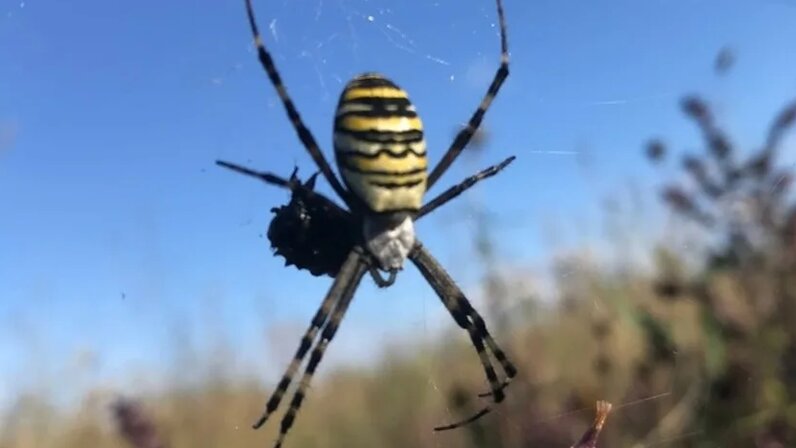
(379, 145)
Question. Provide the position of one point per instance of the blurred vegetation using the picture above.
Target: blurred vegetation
(700, 352)
(742, 286)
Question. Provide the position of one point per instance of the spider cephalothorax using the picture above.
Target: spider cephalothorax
(381, 154)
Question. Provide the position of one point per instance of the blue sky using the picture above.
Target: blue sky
(118, 232)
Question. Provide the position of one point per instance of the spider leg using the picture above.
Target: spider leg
(467, 318)
(422, 255)
(380, 281)
(302, 131)
(463, 137)
(456, 190)
(264, 176)
(503, 385)
(330, 302)
(293, 184)
(344, 285)
(505, 364)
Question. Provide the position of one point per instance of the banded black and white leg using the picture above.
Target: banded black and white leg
(461, 187)
(464, 136)
(468, 319)
(304, 134)
(344, 287)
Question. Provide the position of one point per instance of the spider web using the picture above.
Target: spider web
(325, 46)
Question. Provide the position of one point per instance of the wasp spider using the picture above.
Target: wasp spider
(381, 155)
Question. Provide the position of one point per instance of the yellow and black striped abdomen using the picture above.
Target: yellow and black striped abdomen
(379, 145)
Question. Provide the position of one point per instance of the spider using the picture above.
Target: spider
(381, 155)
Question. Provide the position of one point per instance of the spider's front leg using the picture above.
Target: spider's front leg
(303, 133)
